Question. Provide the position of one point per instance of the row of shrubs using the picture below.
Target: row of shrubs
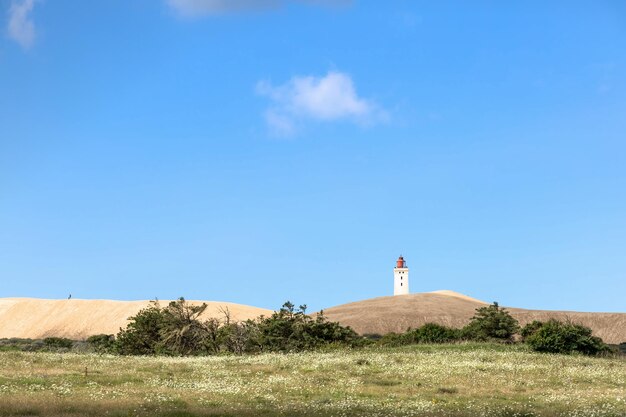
(49, 344)
(493, 323)
(177, 329)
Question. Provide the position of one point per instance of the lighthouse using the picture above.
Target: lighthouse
(400, 277)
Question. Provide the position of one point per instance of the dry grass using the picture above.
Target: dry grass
(451, 380)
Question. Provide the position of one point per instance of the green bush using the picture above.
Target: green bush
(178, 330)
(392, 339)
(102, 343)
(491, 323)
(18, 344)
(291, 329)
(428, 333)
(530, 328)
(143, 333)
(435, 333)
(57, 343)
(558, 337)
(54, 344)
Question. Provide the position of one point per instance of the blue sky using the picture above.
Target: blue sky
(263, 151)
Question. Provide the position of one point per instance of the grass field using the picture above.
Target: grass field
(450, 380)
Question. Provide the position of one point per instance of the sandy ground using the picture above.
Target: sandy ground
(396, 314)
(77, 319)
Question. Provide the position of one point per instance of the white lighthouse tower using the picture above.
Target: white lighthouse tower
(400, 277)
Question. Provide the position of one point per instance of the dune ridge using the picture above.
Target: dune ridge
(77, 319)
(398, 313)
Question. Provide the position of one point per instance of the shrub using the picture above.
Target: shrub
(35, 346)
(143, 333)
(394, 339)
(57, 343)
(492, 322)
(102, 343)
(558, 337)
(178, 330)
(290, 329)
(181, 332)
(530, 328)
(15, 343)
(238, 337)
(435, 333)
(428, 333)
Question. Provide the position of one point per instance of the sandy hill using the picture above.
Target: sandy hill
(78, 319)
(397, 313)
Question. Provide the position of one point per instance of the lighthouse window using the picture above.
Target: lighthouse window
(400, 284)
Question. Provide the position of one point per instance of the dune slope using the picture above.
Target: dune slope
(78, 319)
(397, 313)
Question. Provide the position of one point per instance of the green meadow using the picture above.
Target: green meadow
(424, 380)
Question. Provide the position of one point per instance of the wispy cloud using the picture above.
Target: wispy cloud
(21, 27)
(322, 99)
(191, 8)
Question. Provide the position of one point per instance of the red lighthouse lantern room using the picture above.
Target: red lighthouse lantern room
(400, 263)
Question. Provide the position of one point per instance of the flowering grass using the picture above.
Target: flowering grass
(426, 380)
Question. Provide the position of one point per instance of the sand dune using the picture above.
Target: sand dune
(78, 319)
(395, 314)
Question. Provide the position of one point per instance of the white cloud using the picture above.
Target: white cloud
(21, 27)
(206, 7)
(280, 123)
(323, 99)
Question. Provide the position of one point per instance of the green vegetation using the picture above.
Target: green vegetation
(101, 343)
(428, 333)
(491, 323)
(142, 336)
(58, 343)
(177, 330)
(169, 362)
(451, 380)
(557, 337)
(49, 344)
(495, 324)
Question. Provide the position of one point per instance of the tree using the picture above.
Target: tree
(492, 322)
